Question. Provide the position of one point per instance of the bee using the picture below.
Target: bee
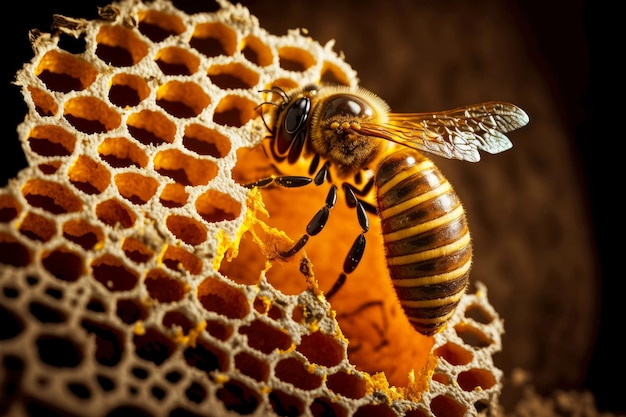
(349, 137)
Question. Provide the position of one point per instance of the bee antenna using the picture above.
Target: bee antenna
(272, 132)
(277, 90)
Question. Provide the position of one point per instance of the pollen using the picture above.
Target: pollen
(138, 275)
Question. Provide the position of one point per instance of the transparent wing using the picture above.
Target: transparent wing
(454, 134)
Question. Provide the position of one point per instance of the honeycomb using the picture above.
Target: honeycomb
(139, 276)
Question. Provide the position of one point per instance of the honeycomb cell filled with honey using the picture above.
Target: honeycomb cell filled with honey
(139, 275)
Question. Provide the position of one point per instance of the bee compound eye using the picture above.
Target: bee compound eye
(297, 114)
(346, 105)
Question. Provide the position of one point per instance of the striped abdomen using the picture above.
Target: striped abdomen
(427, 240)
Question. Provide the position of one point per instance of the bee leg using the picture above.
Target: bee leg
(316, 224)
(287, 181)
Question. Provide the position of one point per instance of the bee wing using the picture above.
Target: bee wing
(454, 134)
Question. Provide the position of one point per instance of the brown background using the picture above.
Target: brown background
(540, 221)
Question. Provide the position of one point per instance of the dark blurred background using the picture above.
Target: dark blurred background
(541, 214)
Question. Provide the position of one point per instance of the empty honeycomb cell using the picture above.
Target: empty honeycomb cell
(348, 384)
(295, 372)
(88, 175)
(332, 74)
(232, 75)
(113, 212)
(9, 208)
(223, 298)
(12, 324)
(174, 60)
(44, 103)
(219, 330)
(444, 406)
(234, 111)
(105, 383)
(284, 83)
(121, 152)
(441, 378)
(182, 99)
(374, 410)
(323, 407)
(178, 259)
(207, 357)
(157, 25)
(215, 206)
(151, 127)
(285, 405)
(473, 336)
(175, 318)
(188, 230)
(184, 168)
(205, 141)
(256, 51)
(295, 59)
(153, 346)
(263, 305)
(253, 366)
(111, 272)
(90, 115)
(214, 39)
(83, 233)
(195, 393)
(478, 314)
(158, 393)
(136, 188)
(50, 196)
(58, 352)
(128, 90)
(119, 46)
(38, 227)
(136, 251)
(238, 397)
(266, 338)
(476, 378)
(454, 354)
(79, 390)
(173, 195)
(50, 168)
(165, 288)
(130, 310)
(321, 349)
(51, 140)
(64, 72)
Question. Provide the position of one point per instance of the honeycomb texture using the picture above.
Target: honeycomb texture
(113, 297)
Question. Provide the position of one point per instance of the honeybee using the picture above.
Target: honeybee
(349, 137)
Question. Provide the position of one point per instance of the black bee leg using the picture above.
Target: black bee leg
(316, 224)
(358, 247)
(287, 181)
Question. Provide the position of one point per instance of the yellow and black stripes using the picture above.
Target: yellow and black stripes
(427, 240)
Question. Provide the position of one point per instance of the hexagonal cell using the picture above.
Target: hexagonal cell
(183, 168)
(51, 140)
(214, 39)
(51, 196)
(322, 406)
(332, 74)
(113, 274)
(186, 229)
(157, 25)
(9, 208)
(58, 352)
(215, 206)
(49, 168)
(253, 366)
(130, 310)
(64, 72)
(83, 234)
(45, 105)
(113, 212)
(295, 59)
(473, 336)
(443, 405)
(121, 152)
(478, 314)
(321, 349)
(234, 111)
(205, 141)
(182, 99)
(476, 378)
(238, 397)
(219, 330)
(293, 371)
(151, 127)
(163, 287)
(63, 264)
(13, 252)
(173, 195)
(119, 46)
(136, 188)
(178, 259)
(222, 298)
(128, 90)
(207, 357)
(256, 51)
(285, 404)
(284, 83)
(136, 251)
(38, 227)
(232, 75)
(153, 346)
(350, 385)
(174, 60)
(265, 337)
(89, 176)
(454, 354)
(90, 115)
